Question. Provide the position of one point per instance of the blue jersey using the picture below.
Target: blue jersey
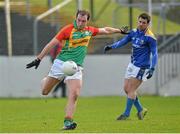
(143, 45)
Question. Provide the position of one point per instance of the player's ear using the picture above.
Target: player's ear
(88, 17)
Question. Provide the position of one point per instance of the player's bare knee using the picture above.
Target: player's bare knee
(126, 90)
(75, 96)
(132, 95)
(45, 92)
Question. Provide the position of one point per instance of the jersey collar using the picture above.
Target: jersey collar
(142, 32)
(75, 24)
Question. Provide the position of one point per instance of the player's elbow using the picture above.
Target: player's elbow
(107, 30)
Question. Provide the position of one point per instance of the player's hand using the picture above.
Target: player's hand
(107, 48)
(150, 73)
(124, 30)
(35, 63)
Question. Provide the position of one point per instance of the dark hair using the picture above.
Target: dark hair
(83, 13)
(145, 16)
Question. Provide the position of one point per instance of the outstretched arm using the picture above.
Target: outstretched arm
(35, 63)
(118, 44)
(55, 41)
(108, 30)
(48, 47)
(121, 42)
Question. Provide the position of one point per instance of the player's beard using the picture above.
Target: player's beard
(81, 27)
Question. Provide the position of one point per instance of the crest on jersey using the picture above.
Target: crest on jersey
(87, 33)
(141, 42)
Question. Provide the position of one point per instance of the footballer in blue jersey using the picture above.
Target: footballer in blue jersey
(141, 67)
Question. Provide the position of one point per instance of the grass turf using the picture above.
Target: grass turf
(93, 114)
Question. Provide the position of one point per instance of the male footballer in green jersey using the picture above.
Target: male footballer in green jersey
(75, 38)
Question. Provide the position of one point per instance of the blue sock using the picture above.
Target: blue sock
(138, 105)
(129, 105)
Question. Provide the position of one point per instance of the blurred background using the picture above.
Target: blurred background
(26, 26)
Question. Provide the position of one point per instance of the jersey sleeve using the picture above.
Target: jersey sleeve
(64, 33)
(94, 30)
(122, 41)
(153, 47)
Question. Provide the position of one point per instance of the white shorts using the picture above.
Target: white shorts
(56, 71)
(136, 72)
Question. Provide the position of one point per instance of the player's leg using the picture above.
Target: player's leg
(137, 104)
(141, 112)
(55, 75)
(47, 84)
(74, 87)
(130, 87)
(56, 88)
(134, 84)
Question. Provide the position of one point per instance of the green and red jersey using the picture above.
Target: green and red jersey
(75, 42)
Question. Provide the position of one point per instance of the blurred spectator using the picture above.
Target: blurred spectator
(61, 85)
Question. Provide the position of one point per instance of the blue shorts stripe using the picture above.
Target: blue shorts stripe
(140, 73)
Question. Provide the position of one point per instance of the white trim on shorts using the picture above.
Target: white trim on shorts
(133, 71)
(56, 71)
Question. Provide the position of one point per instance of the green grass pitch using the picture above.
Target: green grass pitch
(93, 114)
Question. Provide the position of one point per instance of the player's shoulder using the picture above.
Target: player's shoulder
(150, 34)
(91, 27)
(67, 27)
(64, 32)
(134, 30)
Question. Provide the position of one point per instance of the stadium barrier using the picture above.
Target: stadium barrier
(169, 61)
(103, 76)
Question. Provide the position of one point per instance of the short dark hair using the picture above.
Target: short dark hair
(145, 16)
(83, 13)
